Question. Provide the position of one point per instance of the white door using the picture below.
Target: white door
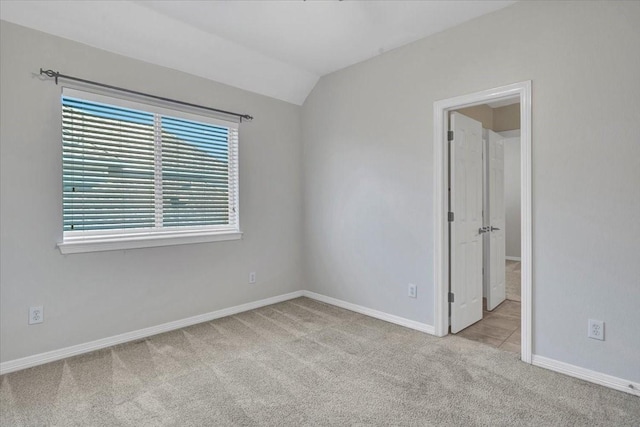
(465, 182)
(495, 220)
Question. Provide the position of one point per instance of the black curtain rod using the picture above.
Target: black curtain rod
(56, 75)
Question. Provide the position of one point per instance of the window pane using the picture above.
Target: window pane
(108, 166)
(195, 173)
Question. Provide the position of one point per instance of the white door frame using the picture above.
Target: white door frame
(441, 171)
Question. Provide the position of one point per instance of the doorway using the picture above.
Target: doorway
(493, 128)
(466, 249)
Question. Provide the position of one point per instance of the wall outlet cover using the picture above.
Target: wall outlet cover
(412, 291)
(36, 315)
(596, 329)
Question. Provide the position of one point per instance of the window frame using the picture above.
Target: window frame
(117, 239)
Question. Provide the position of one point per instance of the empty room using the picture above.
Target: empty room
(335, 212)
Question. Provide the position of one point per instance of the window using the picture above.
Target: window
(136, 175)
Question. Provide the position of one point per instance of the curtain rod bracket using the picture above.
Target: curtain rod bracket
(56, 75)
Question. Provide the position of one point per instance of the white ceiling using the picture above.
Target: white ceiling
(275, 48)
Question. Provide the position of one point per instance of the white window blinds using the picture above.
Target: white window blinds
(131, 168)
(195, 174)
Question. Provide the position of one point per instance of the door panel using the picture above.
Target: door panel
(465, 239)
(495, 267)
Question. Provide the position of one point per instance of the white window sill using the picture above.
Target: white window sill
(98, 244)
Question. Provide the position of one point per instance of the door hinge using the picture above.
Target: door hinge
(450, 216)
(451, 298)
(450, 135)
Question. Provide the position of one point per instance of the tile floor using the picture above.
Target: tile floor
(512, 278)
(501, 327)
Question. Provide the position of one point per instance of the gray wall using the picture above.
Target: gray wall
(97, 295)
(368, 163)
(512, 196)
(362, 212)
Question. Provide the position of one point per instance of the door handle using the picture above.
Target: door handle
(492, 228)
(484, 230)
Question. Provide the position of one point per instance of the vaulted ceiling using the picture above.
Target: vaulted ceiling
(275, 48)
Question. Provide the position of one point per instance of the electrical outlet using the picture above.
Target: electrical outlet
(596, 329)
(413, 291)
(36, 315)
(252, 277)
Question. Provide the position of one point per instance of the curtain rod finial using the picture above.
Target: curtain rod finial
(50, 73)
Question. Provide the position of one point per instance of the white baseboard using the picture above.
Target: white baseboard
(587, 375)
(51, 356)
(543, 362)
(412, 324)
(512, 258)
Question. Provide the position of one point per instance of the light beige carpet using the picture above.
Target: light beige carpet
(512, 278)
(304, 363)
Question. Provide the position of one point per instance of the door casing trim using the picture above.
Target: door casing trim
(522, 90)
